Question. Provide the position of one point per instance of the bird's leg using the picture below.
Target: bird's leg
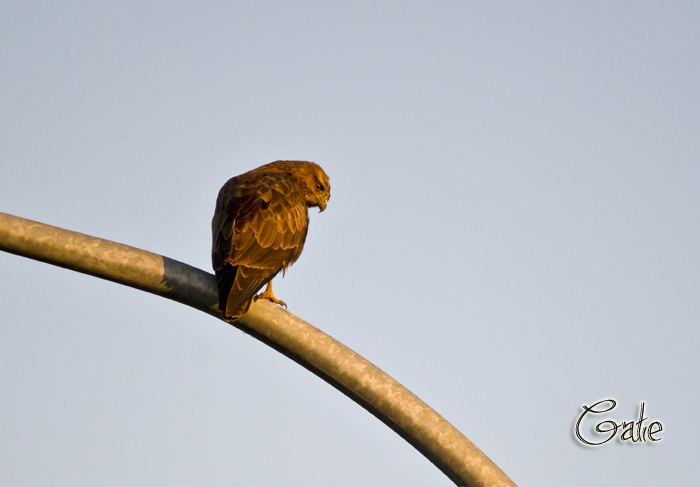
(267, 294)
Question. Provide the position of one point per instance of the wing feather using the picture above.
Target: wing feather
(259, 228)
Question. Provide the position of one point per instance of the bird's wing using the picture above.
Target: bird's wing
(259, 228)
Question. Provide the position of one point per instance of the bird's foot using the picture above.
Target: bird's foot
(267, 294)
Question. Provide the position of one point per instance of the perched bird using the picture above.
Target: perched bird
(259, 228)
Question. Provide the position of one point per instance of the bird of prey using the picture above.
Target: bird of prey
(259, 228)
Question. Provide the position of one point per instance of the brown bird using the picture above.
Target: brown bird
(259, 228)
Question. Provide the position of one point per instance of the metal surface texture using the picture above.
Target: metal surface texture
(324, 356)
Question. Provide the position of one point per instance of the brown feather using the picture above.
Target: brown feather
(259, 227)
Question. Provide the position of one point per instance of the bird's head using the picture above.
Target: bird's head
(318, 188)
(309, 175)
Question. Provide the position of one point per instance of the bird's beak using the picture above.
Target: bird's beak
(322, 205)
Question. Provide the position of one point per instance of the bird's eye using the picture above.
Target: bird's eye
(319, 187)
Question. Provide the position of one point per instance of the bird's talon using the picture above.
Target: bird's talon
(273, 299)
(276, 301)
(267, 294)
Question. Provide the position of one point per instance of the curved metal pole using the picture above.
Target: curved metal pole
(324, 356)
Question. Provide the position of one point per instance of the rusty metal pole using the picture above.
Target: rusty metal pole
(354, 376)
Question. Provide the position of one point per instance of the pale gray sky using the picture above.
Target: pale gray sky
(513, 233)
